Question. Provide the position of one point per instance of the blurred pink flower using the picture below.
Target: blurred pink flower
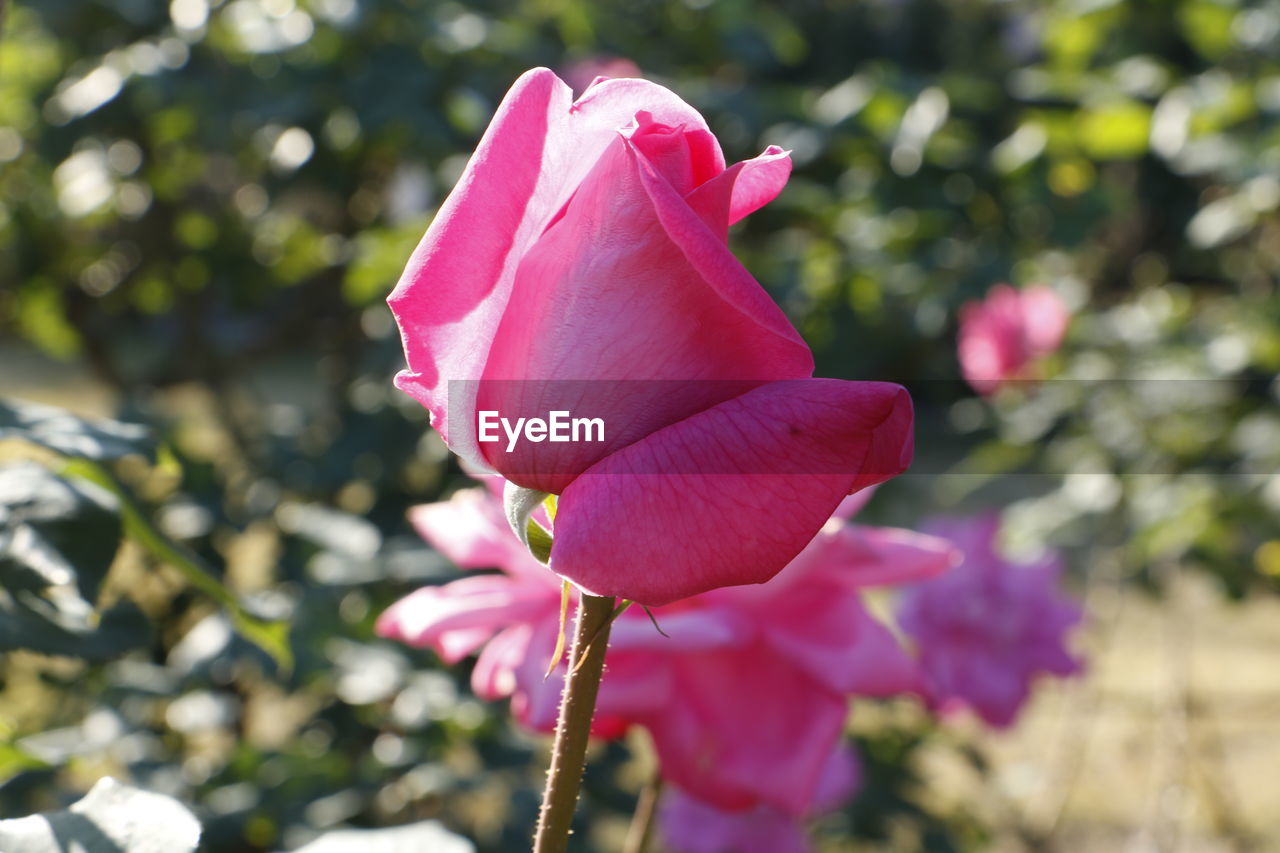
(1001, 336)
(689, 825)
(581, 74)
(984, 630)
(581, 262)
(746, 697)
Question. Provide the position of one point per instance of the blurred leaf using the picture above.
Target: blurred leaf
(99, 439)
(111, 818)
(39, 625)
(13, 760)
(1116, 131)
(54, 533)
(270, 636)
(57, 542)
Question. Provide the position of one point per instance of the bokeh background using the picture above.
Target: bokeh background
(204, 204)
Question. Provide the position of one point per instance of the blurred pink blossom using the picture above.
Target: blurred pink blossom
(747, 695)
(691, 826)
(581, 74)
(1001, 336)
(984, 630)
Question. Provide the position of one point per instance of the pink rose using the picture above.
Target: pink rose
(1001, 336)
(692, 826)
(984, 630)
(581, 264)
(747, 696)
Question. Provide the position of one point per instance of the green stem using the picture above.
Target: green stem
(577, 706)
(641, 829)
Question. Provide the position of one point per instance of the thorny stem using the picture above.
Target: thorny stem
(577, 706)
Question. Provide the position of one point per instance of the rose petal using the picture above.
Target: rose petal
(531, 159)
(741, 190)
(456, 619)
(749, 728)
(670, 335)
(625, 528)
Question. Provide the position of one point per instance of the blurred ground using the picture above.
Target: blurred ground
(1170, 742)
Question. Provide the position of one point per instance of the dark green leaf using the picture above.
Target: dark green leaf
(54, 533)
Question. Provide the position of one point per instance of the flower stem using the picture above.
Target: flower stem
(641, 829)
(577, 705)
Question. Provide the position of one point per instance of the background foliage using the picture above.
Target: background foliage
(206, 203)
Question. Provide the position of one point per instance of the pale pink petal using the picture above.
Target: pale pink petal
(628, 529)
(690, 630)
(458, 617)
(494, 676)
(454, 290)
(852, 505)
(1045, 316)
(468, 528)
(884, 556)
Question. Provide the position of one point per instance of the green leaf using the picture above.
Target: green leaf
(270, 636)
(520, 504)
(58, 430)
(14, 760)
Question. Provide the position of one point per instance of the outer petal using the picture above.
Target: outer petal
(468, 528)
(692, 826)
(1045, 317)
(457, 618)
(455, 287)
(730, 495)
(749, 728)
(532, 158)
(656, 322)
(741, 190)
(824, 630)
(883, 556)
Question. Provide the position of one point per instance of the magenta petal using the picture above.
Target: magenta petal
(657, 322)
(741, 189)
(889, 556)
(824, 630)
(627, 529)
(749, 728)
(690, 825)
(455, 287)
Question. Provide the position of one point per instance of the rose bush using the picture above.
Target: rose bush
(581, 262)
